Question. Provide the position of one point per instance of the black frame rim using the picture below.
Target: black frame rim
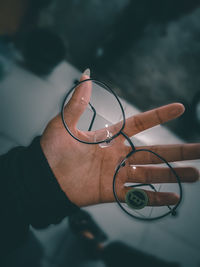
(172, 169)
(109, 89)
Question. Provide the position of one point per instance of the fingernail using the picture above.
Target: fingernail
(177, 110)
(87, 72)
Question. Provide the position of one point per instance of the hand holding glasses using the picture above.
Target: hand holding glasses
(93, 163)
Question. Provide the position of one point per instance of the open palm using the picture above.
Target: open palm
(85, 172)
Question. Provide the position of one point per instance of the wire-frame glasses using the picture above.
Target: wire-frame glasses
(99, 130)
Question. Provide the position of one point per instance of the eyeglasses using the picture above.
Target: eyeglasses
(99, 130)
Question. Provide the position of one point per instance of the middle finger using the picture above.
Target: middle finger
(152, 174)
(170, 153)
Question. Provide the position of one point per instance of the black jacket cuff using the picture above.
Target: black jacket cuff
(45, 202)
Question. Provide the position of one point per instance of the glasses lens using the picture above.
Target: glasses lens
(101, 116)
(155, 179)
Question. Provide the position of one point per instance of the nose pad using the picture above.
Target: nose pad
(104, 134)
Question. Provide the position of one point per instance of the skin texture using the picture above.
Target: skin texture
(85, 172)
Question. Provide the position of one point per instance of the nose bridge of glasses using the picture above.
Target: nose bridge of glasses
(129, 141)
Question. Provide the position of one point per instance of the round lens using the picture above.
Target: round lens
(147, 186)
(98, 111)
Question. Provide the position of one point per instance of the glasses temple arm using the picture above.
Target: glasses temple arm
(138, 185)
(93, 117)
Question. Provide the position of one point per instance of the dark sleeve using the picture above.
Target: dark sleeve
(29, 195)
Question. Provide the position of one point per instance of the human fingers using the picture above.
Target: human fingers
(148, 119)
(79, 101)
(154, 198)
(152, 174)
(170, 153)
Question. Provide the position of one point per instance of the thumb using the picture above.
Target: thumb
(79, 101)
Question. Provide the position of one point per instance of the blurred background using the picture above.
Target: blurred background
(148, 50)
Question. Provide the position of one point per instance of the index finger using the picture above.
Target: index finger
(151, 118)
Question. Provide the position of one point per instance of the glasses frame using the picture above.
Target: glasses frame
(171, 211)
(109, 89)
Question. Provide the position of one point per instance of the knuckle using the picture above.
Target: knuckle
(138, 123)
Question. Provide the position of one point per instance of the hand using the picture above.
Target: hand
(85, 172)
